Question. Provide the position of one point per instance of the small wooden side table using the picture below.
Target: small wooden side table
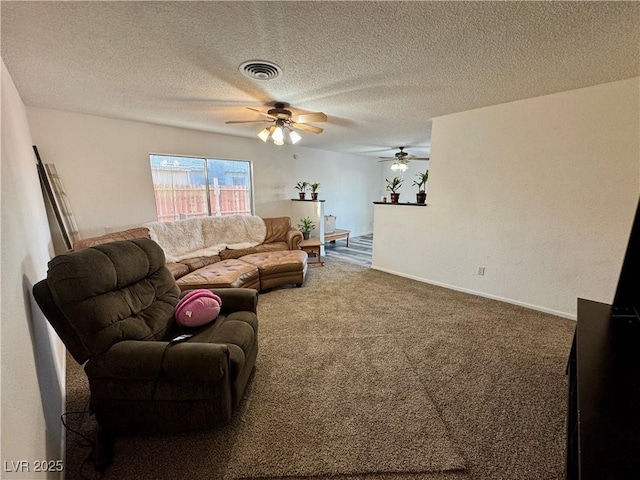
(312, 247)
(336, 235)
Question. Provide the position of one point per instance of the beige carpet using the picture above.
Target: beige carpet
(335, 406)
(486, 376)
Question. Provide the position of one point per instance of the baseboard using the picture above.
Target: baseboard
(480, 294)
(354, 235)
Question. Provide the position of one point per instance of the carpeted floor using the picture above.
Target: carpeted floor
(363, 375)
(346, 405)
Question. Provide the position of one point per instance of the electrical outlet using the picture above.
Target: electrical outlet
(481, 271)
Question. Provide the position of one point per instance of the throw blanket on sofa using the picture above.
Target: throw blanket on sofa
(206, 236)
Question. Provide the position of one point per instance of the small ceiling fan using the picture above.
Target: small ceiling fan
(401, 159)
(283, 121)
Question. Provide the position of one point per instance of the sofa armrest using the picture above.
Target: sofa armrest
(235, 299)
(140, 360)
(294, 237)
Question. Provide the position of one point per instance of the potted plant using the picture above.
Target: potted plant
(314, 190)
(305, 226)
(302, 189)
(393, 185)
(421, 183)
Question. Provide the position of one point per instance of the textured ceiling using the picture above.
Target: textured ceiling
(379, 70)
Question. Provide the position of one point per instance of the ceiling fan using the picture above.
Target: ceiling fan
(401, 159)
(284, 122)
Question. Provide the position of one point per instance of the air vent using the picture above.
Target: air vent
(259, 70)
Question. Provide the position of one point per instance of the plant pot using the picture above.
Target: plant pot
(302, 195)
(395, 197)
(421, 197)
(305, 235)
(314, 196)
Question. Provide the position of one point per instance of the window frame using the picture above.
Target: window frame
(208, 186)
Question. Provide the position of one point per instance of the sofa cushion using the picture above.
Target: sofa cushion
(198, 262)
(224, 274)
(177, 269)
(114, 291)
(226, 254)
(271, 247)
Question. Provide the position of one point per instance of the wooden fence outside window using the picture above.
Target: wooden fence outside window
(179, 202)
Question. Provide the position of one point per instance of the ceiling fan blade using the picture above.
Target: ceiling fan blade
(262, 113)
(245, 121)
(411, 157)
(309, 117)
(307, 128)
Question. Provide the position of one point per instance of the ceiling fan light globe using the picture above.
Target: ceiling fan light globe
(277, 135)
(294, 137)
(278, 142)
(264, 134)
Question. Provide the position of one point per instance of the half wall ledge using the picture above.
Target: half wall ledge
(406, 204)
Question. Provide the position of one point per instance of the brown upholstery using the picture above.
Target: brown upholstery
(279, 229)
(195, 272)
(223, 274)
(139, 232)
(265, 247)
(123, 287)
(227, 253)
(271, 247)
(113, 307)
(279, 268)
(198, 262)
(177, 269)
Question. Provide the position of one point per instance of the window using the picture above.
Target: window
(187, 187)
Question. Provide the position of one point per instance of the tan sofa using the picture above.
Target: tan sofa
(278, 259)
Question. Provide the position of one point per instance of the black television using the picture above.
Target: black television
(603, 416)
(626, 302)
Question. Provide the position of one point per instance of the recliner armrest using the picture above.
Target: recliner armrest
(140, 360)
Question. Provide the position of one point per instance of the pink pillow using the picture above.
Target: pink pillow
(197, 308)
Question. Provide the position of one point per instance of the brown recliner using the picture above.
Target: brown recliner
(113, 306)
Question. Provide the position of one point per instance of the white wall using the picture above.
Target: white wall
(541, 192)
(104, 165)
(32, 357)
(408, 190)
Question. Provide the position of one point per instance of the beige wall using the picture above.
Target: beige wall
(104, 165)
(541, 192)
(32, 357)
